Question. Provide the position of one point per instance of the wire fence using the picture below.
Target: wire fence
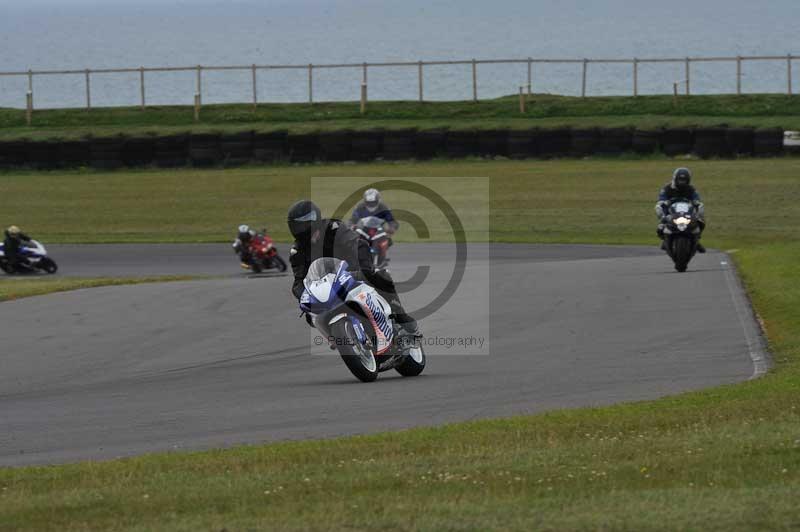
(418, 70)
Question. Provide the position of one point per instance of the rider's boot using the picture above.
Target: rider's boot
(700, 248)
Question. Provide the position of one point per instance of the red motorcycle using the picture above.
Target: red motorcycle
(371, 229)
(263, 255)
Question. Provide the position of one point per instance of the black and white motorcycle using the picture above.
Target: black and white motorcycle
(33, 257)
(354, 319)
(683, 225)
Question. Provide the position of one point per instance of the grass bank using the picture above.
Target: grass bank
(18, 287)
(546, 111)
(721, 459)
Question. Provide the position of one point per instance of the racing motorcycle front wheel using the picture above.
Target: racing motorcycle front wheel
(681, 253)
(279, 263)
(48, 265)
(414, 362)
(358, 357)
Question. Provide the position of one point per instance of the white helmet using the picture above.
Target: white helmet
(372, 199)
(244, 228)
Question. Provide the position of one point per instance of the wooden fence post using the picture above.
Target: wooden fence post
(583, 86)
(739, 75)
(363, 98)
(310, 83)
(419, 75)
(635, 77)
(789, 73)
(474, 81)
(522, 100)
(141, 86)
(255, 88)
(200, 84)
(88, 91)
(28, 107)
(196, 107)
(530, 75)
(688, 76)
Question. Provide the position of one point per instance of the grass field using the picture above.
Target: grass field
(721, 459)
(546, 111)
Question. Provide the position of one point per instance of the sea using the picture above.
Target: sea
(80, 34)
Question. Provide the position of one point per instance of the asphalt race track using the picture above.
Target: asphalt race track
(118, 371)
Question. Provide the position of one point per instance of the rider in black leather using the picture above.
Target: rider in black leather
(679, 188)
(317, 237)
(12, 241)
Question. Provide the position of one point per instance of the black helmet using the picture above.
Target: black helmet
(681, 177)
(302, 216)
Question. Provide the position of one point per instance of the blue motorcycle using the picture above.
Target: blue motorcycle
(356, 321)
(32, 258)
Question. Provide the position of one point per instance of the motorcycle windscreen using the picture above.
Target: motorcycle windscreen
(681, 207)
(322, 267)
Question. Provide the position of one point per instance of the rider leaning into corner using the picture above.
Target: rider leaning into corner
(12, 242)
(373, 205)
(241, 246)
(317, 237)
(679, 188)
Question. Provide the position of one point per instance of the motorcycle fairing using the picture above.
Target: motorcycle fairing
(377, 311)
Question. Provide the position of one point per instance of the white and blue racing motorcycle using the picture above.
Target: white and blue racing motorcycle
(356, 321)
(32, 258)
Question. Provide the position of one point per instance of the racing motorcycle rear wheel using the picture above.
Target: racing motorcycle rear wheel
(681, 253)
(359, 358)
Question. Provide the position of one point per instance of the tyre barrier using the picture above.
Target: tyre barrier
(43, 155)
(13, 153)
(614, 141)
(139, 151)
(212, 149)
(204, 149)
(73, 153)
(584, 142)
(399, 144)
(271, 147)
(236, 148)
(461, 144)
(493, 143)
(431, 143)
(522, 144)
(767, 142)
(106, 153)
(711, 142)
(645, 141)
(335, 145)
(303, 148)
(740, 140)
(679, 141)
(554, 142)
(366, 145)
(171, 151)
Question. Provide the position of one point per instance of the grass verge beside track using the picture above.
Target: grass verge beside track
(546, 111)
(18, 287)
(721, 459)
